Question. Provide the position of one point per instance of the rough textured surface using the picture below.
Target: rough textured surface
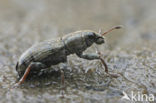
(129, 52)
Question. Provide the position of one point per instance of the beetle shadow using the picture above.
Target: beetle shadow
(46, 77)
(73, 79)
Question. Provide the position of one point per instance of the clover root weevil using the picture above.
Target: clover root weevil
(52, 52)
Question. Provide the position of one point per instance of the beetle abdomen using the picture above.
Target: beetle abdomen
(48, 53)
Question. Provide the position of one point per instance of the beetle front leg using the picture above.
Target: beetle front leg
(33, 65)
(106, 68)
(92, 57)
(103, 62)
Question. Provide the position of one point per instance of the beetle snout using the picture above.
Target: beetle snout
(100, 40)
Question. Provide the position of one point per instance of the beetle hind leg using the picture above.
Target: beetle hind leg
(33, 65)
(62, 82)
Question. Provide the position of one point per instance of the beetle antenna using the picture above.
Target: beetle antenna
(116, 27)
(100, 31)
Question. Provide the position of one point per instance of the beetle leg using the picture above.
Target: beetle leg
(92, 57)
(106, 67)
(33, 65)
(62, 82)
(103, 62)
(88, 56)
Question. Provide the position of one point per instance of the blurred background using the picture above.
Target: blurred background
(130, 51)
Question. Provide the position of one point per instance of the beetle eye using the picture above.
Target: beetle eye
(91, 35)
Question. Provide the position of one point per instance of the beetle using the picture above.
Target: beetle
(52, 52)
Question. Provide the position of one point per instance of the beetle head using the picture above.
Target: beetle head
(93, 37)
(96, 38)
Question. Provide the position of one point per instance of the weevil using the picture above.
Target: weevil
(52, 52)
